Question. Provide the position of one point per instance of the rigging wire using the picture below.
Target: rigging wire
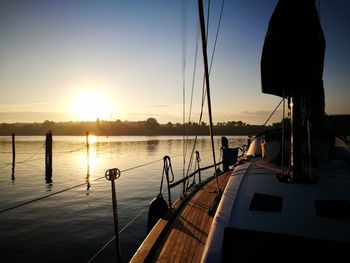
(217, 35)
(203, 83)
(190, 110)
(191, 100)
(208, 17)
(273, 112)
(186, 142)
(184, 37)
(206, 68)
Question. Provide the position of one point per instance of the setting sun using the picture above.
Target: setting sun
(90, 105)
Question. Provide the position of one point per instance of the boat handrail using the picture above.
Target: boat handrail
(182, 180)
(170, 177)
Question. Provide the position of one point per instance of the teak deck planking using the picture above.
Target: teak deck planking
(187, 236)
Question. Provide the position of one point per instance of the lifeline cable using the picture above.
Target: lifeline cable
(126, 226)
(79, 185)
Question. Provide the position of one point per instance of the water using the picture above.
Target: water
(75, 224)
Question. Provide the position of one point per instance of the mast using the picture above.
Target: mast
(206, 71)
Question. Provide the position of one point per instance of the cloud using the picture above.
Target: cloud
(22, 107)
(32, 116)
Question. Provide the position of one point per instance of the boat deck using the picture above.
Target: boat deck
(187, 236)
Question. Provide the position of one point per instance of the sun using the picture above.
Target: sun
(90, 105)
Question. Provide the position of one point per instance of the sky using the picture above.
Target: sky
(74, 60)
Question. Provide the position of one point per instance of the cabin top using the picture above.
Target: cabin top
(258, 212)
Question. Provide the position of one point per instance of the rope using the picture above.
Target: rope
(141, 165)
(78, 185)
(64, 152)
(31, 157)
(22, 151)
(166, 168)
(18, 152)
(34, 167)
(58, 154)
(81, 148)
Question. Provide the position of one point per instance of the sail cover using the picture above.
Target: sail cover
(293, 53)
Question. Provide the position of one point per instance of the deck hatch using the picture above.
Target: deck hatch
(337, 209)
(266, 203)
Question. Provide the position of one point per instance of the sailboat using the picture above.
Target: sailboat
(288, 196)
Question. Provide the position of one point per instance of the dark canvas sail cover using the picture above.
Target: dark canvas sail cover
(293, 53)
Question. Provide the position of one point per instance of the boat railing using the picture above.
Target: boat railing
(184, 179)
(169, 175)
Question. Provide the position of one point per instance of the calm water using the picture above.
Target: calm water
(74, 224)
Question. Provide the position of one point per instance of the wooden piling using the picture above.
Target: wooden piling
(87, 161)
(87, 149)
(13, 150)
(13, 156)
(48, 155)
(87, 144)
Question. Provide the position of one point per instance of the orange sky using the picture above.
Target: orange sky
(82, 60)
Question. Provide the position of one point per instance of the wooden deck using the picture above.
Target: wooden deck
(186, 238)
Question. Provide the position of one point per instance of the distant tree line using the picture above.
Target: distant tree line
(339, 123)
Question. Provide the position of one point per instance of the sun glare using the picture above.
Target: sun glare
(91, 139)
(90, 105)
